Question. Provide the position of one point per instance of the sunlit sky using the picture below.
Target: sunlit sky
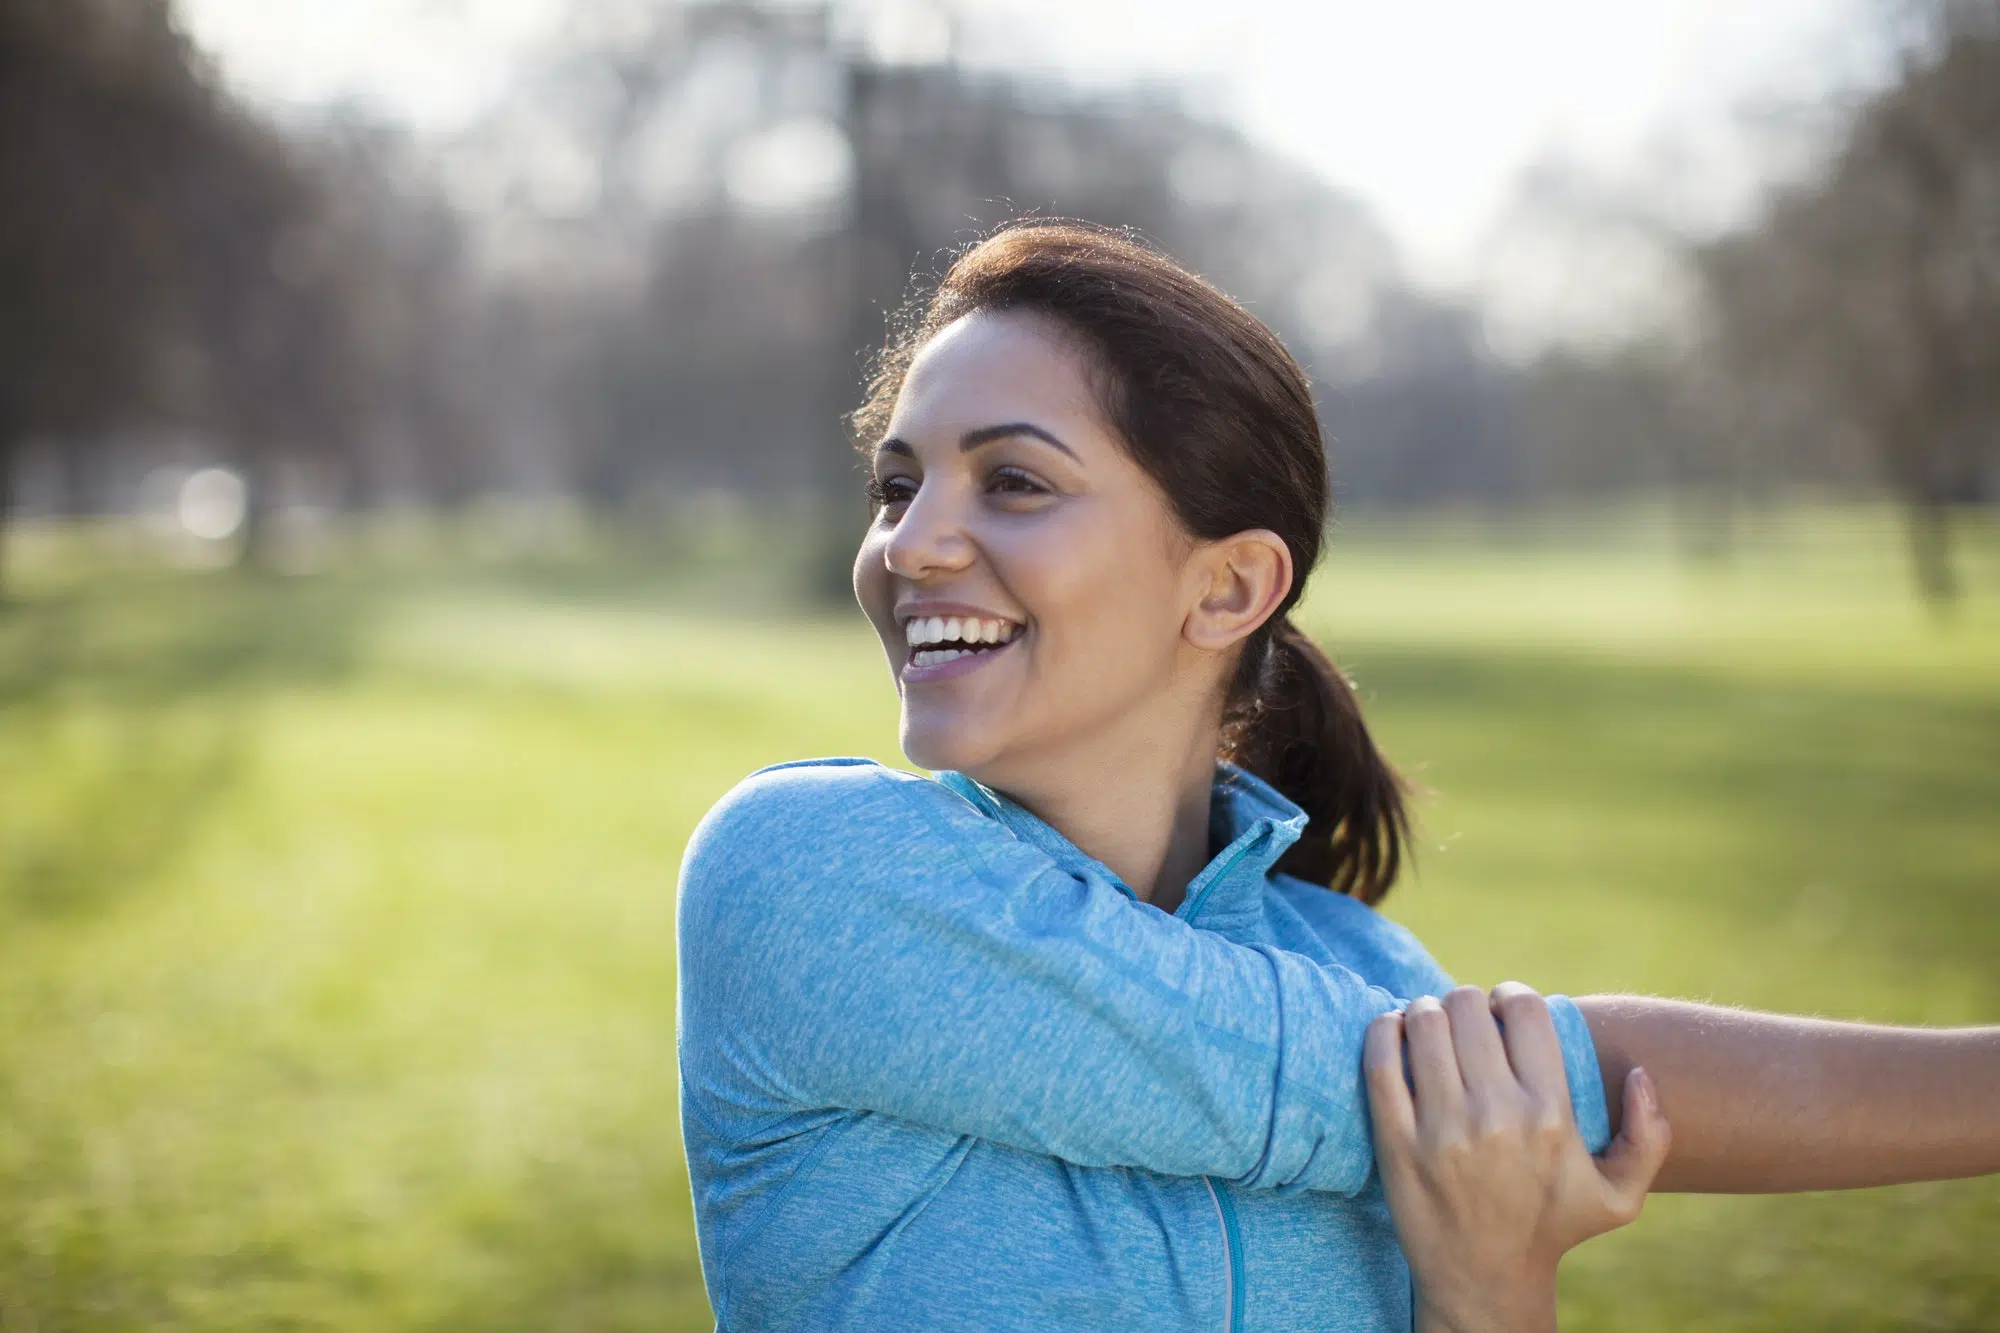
(1427, 109)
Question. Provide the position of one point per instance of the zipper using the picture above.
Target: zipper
(1193, 905)
(1225, 1207)
(1232, 1244)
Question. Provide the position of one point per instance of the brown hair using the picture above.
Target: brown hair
(1212, 406)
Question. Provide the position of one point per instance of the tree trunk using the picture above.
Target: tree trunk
(9, 450)
(1931, 552)
(874, 254)
(1705, 523)
(1919, 466)
(254, 539)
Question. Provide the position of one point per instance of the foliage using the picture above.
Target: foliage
(601, 289)
(171, 263)
(336, 916)
(1868, 300)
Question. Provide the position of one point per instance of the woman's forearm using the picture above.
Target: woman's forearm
(1765, 1103)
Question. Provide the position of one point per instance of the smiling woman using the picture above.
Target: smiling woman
(1179, 425)
(1042, 524)
(1085, 1030)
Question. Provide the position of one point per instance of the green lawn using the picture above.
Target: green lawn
(336, 914)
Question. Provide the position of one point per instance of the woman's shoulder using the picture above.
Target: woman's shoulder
(808, 781)
(1363, 940)
(819, 789)
(823, 810)
(803, 797)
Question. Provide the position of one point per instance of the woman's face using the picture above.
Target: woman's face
(1027, 578)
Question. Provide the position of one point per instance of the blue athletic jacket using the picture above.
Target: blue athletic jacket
(942, 1070)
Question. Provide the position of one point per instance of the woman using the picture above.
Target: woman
(1072, 1034)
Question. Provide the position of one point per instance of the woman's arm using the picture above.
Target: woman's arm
(1488, 1187)
(1485, 1175)
(1765, 1103)
(854, 938)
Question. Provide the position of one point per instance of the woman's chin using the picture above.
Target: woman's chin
(934, 744)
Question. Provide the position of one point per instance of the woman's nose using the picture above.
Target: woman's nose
(930, 537)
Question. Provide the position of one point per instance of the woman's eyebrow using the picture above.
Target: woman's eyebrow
(972, 439)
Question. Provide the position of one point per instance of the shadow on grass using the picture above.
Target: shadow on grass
(153, 639)
(1746, 793)
(126, 709)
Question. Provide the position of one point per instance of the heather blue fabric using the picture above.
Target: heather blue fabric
(941, 1070)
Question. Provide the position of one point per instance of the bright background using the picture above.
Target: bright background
(423, 497)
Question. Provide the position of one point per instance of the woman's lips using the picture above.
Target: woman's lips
(962, 665)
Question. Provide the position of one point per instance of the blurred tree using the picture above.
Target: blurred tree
(1869, 299)
(329, 298)
(715, 212)
(97, 101)
(259, 288)
(167, 259)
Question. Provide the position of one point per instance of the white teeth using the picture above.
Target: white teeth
(925, 630)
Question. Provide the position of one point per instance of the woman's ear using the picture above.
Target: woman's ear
(1239, 583)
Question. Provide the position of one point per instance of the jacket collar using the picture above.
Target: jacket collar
(1248, 819)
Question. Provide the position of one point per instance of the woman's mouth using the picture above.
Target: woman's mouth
(945, 646)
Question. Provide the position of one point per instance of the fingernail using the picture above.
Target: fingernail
(1649, 1096)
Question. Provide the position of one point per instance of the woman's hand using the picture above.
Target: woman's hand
(1485, 1174)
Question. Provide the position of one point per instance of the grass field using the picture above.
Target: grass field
(336, 983)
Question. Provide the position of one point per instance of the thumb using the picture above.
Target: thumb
(1639, 1151)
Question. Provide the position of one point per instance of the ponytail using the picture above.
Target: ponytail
(1296, 723)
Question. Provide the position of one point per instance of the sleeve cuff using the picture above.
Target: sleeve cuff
(1586, 1082)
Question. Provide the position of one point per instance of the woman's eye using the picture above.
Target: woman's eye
(884, 492)
(1013, 481)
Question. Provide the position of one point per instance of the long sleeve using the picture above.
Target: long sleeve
(852, 937)
(1386, 954)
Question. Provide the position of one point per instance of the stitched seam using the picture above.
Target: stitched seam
(771, 1205)
(690, 1098)
(963, 1149)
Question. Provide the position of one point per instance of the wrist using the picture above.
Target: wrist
(1526, 1304)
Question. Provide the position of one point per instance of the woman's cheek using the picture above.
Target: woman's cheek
(871, 583)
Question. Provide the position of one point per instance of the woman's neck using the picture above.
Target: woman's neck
(1140, 808)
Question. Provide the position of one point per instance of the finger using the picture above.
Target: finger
(1640, 1150)
(1533, 1049)
(1475, 1041)
(1440, 1089)
(1389, 1104)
